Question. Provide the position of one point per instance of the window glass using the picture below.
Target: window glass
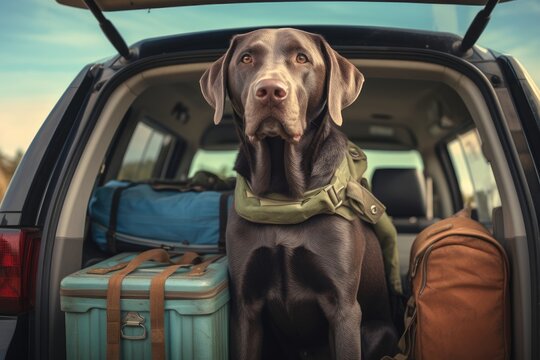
(400, 159)
(142, 154)
(474, 174)
(219, 162)
(222, 162)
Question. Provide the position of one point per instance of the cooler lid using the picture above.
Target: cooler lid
(136, 285)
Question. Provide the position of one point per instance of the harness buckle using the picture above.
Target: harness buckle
(333, 195)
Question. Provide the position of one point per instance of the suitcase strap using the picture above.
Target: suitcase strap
(157, 302)
(106, 270)
(114, 290)
(113, 217)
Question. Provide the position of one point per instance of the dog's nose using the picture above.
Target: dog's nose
(270, 90)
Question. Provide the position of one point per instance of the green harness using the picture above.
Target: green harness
(344, 196)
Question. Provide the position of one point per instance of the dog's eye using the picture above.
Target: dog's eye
(247, 59)
(301, 58)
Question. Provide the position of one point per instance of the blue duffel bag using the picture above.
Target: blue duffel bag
(134, 216)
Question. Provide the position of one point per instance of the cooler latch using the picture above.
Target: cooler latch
(133, 319)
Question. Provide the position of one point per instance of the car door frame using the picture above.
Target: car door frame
(522, 112)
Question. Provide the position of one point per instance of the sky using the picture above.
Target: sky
(44, 44)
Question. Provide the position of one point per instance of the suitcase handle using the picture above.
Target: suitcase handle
(122, 265)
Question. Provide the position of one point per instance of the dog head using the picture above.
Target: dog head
(279, 80)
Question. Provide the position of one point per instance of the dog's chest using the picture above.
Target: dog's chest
(293, 261)
(294, 272)
(319, 234)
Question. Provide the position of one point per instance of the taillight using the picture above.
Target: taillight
(19, 250)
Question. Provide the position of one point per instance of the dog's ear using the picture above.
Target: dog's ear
(343, 82)
(214, 82)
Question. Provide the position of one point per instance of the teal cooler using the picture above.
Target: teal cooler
(196, 312)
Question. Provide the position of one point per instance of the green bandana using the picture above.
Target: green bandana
(344, 196)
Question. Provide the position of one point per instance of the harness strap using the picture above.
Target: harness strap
(344, 196)
(364, 203)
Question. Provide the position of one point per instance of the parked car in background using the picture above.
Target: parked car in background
(468, 118)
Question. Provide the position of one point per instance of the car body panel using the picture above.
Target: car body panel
(7, 329)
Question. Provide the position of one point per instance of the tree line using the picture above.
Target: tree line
(7, 168)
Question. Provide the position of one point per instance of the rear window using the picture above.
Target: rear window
(146, 153)
(474, 175)
(219, 162)
(222, 162)
(394, 159)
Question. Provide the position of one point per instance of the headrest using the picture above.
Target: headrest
(220, 137)
(402, 191)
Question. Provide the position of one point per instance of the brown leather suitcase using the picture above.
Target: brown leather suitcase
(460, 304)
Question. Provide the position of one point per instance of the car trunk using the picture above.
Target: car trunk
(427, 81)
(389, 59)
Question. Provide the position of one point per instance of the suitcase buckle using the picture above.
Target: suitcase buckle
(133, 319)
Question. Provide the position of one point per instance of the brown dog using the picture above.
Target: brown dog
(297, 290)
